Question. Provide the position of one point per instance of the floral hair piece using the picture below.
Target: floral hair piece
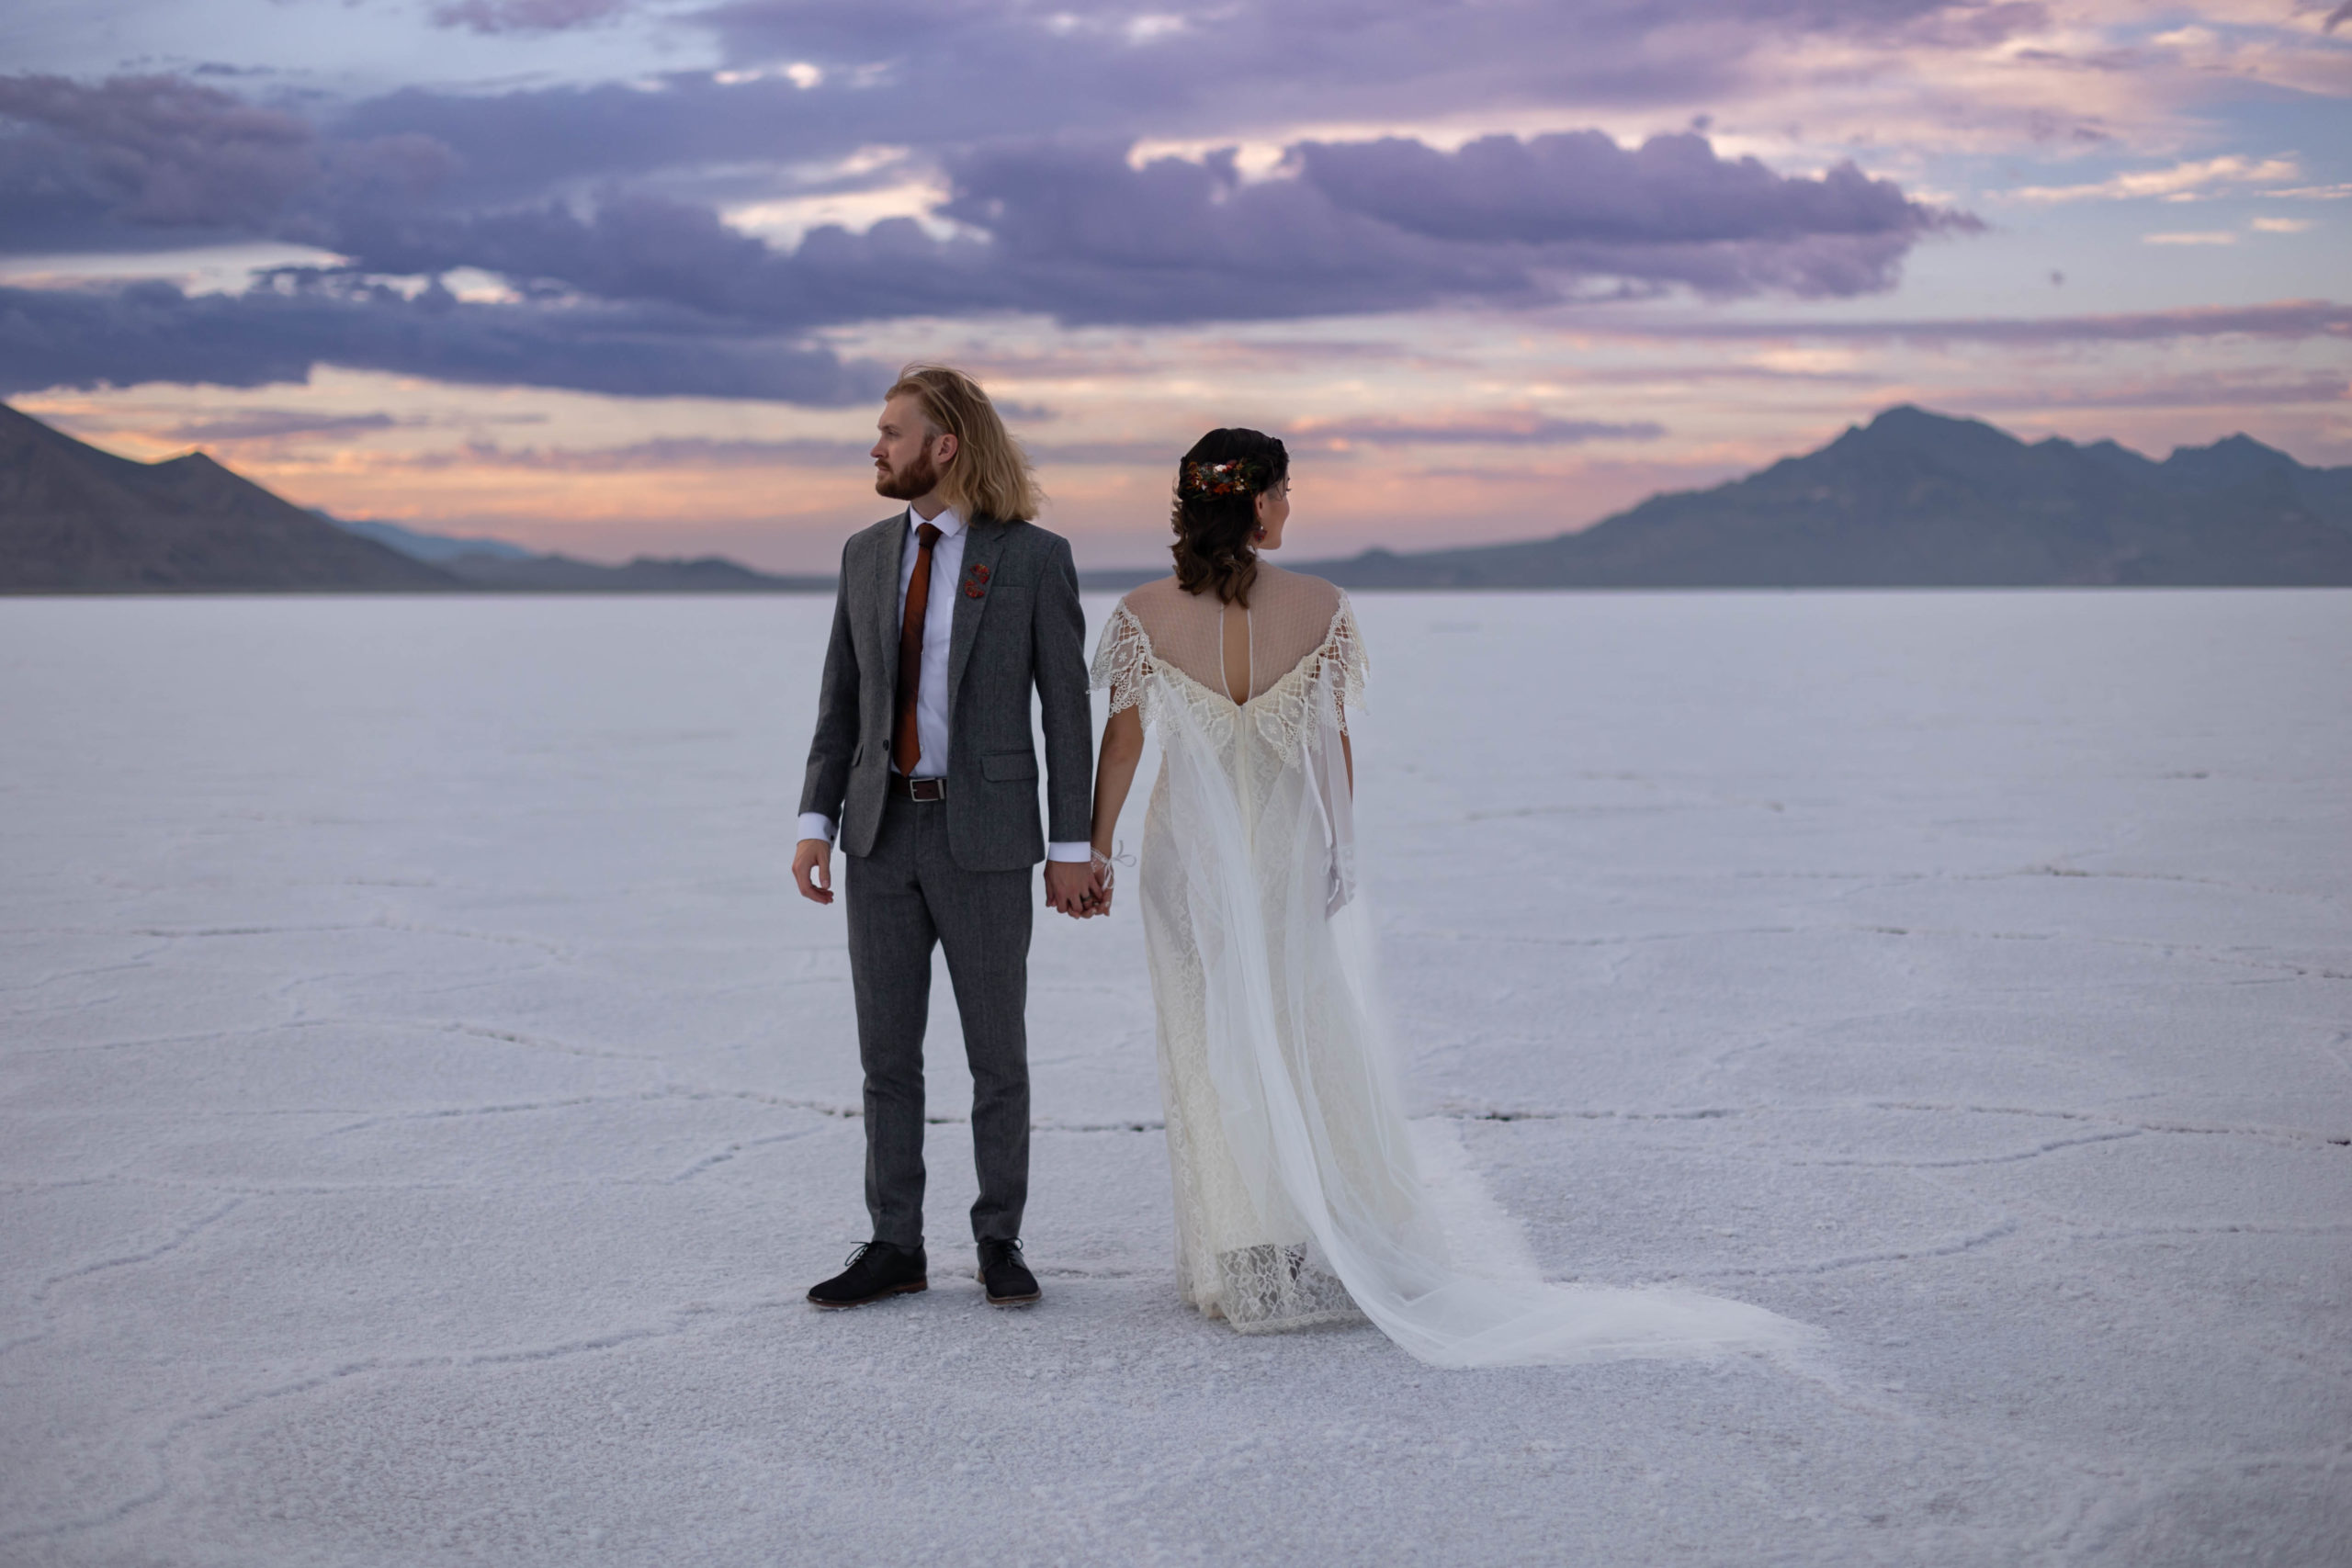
(1238, 476)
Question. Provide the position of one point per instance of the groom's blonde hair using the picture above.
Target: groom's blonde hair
(989, 475)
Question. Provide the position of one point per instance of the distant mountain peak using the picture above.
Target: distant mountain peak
(75, 519)
(1920, 498)
(1910, 422)
(2237, 460)
(435, 549)
(2241, 445)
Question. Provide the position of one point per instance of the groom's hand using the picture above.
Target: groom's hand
(812, 867)
(1067, 884)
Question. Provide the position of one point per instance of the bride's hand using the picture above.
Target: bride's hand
(1098, 892)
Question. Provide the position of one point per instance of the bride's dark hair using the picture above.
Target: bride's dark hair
(1217, 486)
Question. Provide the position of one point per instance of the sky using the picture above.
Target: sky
(628, 276)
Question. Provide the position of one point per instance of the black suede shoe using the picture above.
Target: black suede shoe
(1006, 1277)
(876, 1270)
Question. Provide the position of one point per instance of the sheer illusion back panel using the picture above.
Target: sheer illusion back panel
(1289, 618)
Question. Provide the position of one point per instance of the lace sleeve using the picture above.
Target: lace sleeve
(1344, 656)
(1123, 660)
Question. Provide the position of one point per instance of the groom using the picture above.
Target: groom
(948, 613)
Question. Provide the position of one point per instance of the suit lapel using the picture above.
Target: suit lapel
(981, 547)
(888, 558)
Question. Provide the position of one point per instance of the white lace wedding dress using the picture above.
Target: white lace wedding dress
(1298, 1198)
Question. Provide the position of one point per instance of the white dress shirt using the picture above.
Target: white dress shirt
(931, 693)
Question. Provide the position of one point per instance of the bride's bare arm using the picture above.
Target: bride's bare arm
(1114, 774)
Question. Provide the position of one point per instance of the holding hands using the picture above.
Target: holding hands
(1068, 885)
(1081, 891)
(1077, 890)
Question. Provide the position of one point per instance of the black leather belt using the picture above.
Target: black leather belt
(917, 789)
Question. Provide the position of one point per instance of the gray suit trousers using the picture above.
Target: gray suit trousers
(903, 898)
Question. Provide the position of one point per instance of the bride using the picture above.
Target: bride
(1298, 1198)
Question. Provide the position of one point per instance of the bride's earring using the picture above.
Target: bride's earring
(1259, 535)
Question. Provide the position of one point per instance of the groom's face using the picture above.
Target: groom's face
(907, 456)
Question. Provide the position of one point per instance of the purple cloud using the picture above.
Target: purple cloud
(1073, 229)
(663, 452)
(2285, 319)
(159, 153)
(939, 75)
(161, 150)
(1500, 427)
(271, 425)
(524, 15)
(1322, 56)
(1078, 232)
(151, 332)
(1583, 187)
(2196, 391)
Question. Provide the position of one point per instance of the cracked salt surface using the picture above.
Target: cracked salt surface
(422, 1102)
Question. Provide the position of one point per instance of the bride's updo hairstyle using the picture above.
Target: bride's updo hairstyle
(1217, 486)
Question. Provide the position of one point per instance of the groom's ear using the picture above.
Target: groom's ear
(943, 452)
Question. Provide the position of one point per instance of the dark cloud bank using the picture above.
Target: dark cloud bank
(151, 332)
(625, 285)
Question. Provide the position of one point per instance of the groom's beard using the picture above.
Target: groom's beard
(918, 477)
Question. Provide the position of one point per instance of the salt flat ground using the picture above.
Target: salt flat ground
(423, 1103)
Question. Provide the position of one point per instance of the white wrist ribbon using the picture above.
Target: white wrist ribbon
(1106, 866)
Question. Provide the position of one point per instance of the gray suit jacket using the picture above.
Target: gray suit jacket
(1017, 625)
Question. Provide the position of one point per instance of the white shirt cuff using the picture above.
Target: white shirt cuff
(1081, 851)
(816, 824)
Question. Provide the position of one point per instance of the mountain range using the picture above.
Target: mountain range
(495, 564)
(1919, 500)
(75, 519)
(1913, 499)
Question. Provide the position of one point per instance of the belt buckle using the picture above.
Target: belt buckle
(926, 789)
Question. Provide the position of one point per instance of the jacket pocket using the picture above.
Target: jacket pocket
(1001, 766)
(857, 756)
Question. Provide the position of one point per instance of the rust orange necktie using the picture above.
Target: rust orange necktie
(906, 746)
